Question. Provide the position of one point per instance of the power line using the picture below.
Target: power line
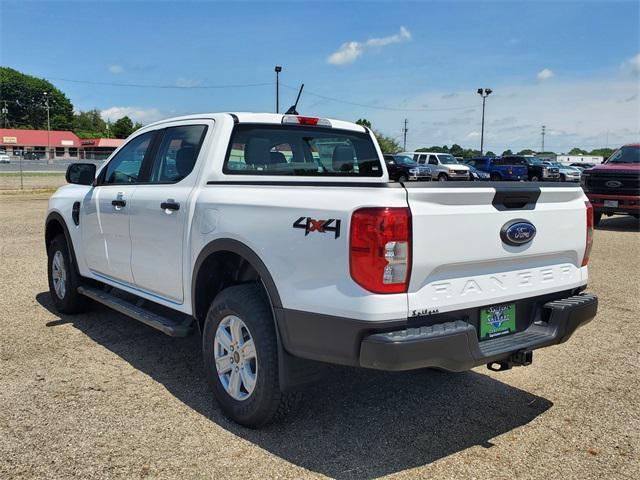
(378, 107)
(179, 87)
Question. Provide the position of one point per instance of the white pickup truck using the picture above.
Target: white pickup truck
(281, 241)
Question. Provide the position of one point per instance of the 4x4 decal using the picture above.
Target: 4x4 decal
(308, 224)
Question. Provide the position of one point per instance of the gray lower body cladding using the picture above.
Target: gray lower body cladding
(447, 341)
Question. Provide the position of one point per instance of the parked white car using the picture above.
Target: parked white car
(281, 241)
(4, 158)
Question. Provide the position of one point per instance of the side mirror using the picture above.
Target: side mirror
(81, 173)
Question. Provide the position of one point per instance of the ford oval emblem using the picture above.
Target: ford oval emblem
(613, 184)
(517, 232)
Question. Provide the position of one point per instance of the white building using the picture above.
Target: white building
(569, 159)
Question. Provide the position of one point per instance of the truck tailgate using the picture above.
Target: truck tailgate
(460, 260)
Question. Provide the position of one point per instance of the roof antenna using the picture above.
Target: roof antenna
(292, 109)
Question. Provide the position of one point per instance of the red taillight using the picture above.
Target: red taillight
(308, 120)
(380, 249)
(510, 171)
(589, 242)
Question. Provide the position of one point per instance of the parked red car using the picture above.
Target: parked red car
(614, 186)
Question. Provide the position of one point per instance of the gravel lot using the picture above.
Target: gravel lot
(101, 396)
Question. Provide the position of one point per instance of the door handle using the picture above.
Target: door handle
(118, 203)
(170, 205)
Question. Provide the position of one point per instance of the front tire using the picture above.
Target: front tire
(240, 352)
(442, 177)
(495, 177)
(64, 280)
(535, 178)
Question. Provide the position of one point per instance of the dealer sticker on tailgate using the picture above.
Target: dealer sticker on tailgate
(497, 321)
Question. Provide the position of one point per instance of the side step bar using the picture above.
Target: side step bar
(164, 324)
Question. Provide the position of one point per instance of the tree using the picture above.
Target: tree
(387, 144)
(526, 151)
(577, 151)
(507, 152)
(26, 102)
(122, 128)
(490, 154)
(89, 124)
(603, 152)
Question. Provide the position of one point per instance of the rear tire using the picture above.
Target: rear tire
(563, 178)
(258, 399)
(402, 178)
(495, 177)
(64, 280)
(597, 216)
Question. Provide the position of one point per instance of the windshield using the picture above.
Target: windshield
(300, 151)
(626, 155)
(535, 161)
(404, 160)
(447, 159)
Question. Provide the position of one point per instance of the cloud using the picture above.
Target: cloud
(633, 64)
(116, 69)
(545, 74)
(515, 113)
(449, 95)
(136, 114)
(349, 52)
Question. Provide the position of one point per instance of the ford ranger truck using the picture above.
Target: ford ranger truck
(614, 186)
(281, 242)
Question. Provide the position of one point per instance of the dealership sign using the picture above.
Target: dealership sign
(9, 139)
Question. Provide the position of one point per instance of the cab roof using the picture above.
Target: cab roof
(266, 118)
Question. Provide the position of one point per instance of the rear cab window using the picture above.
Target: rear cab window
(260, 149)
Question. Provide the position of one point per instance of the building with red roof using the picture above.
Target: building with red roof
(62, 144)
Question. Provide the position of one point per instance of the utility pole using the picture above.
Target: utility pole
(484, 93)
(46, 105)
(544, 128)
(5, 112)
(278, 69)
(404, 131)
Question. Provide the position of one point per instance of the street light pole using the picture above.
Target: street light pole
(278, 69)
(46, 104)
(484, 93)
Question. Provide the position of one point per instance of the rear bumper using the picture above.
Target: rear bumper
(447, 341)
(454, 345)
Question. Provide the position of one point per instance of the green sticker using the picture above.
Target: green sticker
(497, 321)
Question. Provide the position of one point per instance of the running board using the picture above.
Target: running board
(166, 325)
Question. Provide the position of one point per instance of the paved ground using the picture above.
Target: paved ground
(100, 396)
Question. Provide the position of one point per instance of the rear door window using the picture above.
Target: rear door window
(433, 160)
(300, 151)
(177, 153)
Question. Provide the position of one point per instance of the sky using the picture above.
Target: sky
(573, 66)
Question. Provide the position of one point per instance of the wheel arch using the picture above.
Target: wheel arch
(249, 267)
(54, 226)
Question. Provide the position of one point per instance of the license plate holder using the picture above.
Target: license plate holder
(497, 321)
(611, 203)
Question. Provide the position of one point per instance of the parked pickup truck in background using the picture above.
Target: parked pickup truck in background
(280, 240)
(614, 186)
(567, 172)
(537, 171)
(402, 168)
(499, 169)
